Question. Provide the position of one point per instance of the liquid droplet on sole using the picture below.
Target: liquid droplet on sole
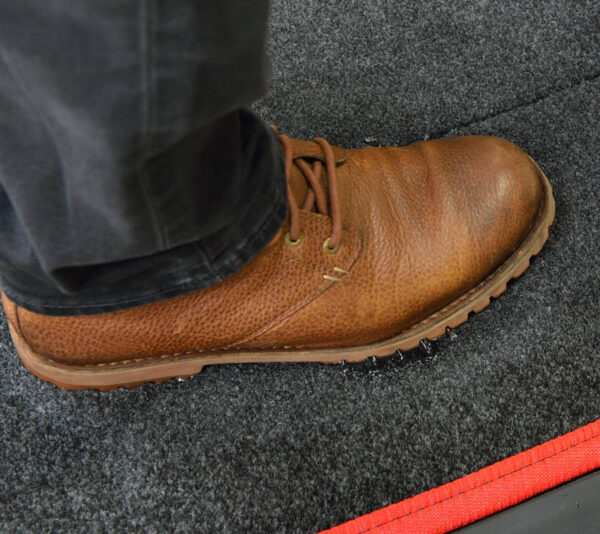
(427, 347)
(451, 334)
(371, 362)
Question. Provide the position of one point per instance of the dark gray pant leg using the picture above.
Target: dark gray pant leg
(129, 169)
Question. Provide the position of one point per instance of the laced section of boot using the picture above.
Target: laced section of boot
(316, 196)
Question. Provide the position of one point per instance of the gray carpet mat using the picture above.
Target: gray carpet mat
(302, 447)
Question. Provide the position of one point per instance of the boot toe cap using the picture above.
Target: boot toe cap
(507, 193)
(497, 193)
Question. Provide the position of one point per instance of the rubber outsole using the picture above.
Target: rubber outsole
(159, 369)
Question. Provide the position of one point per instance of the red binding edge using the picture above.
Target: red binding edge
(488, 490)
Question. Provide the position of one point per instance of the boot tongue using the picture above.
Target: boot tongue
(299, 188)
(298, 185)
(310, 151)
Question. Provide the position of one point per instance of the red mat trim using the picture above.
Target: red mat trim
(488, 490)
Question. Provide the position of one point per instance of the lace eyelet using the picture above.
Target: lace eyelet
(290, 242)
(328, 249)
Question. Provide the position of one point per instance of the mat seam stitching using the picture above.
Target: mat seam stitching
(595, 436)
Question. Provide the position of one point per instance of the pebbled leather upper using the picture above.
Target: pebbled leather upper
(422, 225)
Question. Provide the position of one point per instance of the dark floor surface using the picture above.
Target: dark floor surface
(301, 447)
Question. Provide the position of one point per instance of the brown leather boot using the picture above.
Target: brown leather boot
(383, 247)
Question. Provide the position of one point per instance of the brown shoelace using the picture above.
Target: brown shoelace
(316, 194)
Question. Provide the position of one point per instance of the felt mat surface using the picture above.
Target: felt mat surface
(302, 447)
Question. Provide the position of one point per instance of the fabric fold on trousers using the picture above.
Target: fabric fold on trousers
(130, 169)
